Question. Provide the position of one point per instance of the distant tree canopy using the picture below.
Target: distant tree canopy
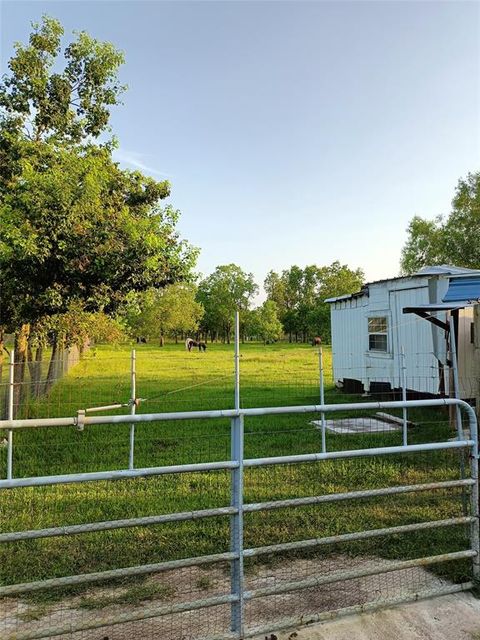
(157, 313)
(263, 323)
(76, 231)
(451, 240)
(223, 292)
(300, 294)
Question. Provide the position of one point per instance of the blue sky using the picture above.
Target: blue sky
(292, 132)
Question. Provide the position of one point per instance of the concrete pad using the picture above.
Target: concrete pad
(452, 617)
(344, 426)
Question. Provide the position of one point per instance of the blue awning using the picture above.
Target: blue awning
(463, 289)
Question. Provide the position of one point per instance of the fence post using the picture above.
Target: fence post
(404, 397)
(322, 400)
(236, 527)
(458, 413)
(11, 388)
(133, 378)
(474, 498)
(236, 521)
(456, 386)
(237, 360)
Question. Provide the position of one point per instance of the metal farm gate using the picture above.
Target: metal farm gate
(243, 590)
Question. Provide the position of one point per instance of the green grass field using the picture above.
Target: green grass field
(170, 379)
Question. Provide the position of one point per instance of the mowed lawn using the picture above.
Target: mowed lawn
(170, 379)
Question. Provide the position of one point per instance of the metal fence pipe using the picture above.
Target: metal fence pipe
(456, 386)
(475, 502)
(37, 423)
(307, 619)
(74, 529)
(11, 390)
(232, 413)
(357, 453)
(133, 397)
(123, 474)
(237, 361)
(353, 406)
(322, 401)
(112, 574)
(236, 528)
(262, 411)
(359, 535)
(404, 397)
(354, 495)
(352, 575)
(121, 618)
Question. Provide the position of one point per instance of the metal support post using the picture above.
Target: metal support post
(475, 501)
(236, 527)
(133, 374)
(404, 398)
(11, 387)
(456, 386)
(458, 413)
(236, 521)
(322, 400)
(237, 360)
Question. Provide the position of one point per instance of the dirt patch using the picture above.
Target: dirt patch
(19, 617)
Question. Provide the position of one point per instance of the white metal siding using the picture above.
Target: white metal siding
(351, 355)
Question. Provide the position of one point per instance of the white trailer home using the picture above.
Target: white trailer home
(410, 314)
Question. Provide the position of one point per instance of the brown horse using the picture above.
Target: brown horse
(316, 342)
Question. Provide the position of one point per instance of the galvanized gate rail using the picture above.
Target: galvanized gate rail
(238, 595)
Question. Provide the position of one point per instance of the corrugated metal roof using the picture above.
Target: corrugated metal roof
(445, 269)
(348, 296)
(463, 288)
(459, 273)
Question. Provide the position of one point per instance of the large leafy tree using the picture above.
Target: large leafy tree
(264, 323)
(68, 101)
(453, 239)
(223, 292)
(157, 313)
(75, 229)
(300, 296)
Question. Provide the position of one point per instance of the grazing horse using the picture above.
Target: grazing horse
(316, 342)
(190, 343)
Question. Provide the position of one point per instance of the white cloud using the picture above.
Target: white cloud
(137, 160)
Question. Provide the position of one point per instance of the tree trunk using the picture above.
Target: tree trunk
(36, 372)
(20, 390)
(3, 400)
(52, 366)
(162, 340)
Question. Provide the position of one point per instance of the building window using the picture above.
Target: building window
(378, 334)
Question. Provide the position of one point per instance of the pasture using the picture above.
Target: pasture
(170, 379)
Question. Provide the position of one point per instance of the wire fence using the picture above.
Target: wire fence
(355, 573)
(172, 379)
(319, 537)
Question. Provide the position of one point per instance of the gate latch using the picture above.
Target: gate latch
(80, 421)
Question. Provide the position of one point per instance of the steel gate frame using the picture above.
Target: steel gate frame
(238, 596)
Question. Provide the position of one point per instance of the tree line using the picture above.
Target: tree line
(89, 250)
(295, 306)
